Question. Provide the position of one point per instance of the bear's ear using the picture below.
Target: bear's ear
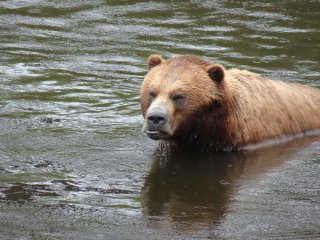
(154, 60)
(216, 72)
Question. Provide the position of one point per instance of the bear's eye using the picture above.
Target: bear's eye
(152, 95)
(178, 99)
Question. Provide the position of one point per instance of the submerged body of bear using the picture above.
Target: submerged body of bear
(191, 102)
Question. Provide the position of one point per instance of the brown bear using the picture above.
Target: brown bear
(189, 101)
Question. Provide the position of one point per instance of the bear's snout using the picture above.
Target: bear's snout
(156, 120)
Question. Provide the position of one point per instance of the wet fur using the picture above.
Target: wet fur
(239, 108)
(263, 109)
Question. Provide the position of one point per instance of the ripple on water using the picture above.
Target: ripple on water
(72, 156)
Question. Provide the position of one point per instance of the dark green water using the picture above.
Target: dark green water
(73, 161)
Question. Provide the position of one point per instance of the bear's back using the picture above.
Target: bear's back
(270, 108)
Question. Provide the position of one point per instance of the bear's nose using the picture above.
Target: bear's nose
(156, 120)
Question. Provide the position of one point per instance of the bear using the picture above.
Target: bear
(192, 102)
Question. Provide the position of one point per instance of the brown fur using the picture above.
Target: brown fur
(226, 109)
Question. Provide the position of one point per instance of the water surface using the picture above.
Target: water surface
(73, 161)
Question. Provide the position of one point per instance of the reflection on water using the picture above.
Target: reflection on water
(192, 190)
(186, 186)
(73, 160)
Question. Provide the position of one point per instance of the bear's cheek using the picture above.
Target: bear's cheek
(144, 103)
(144, 108)
(181, 120)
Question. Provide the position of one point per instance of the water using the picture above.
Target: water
(73, 161)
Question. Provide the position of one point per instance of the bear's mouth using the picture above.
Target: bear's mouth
(157, 135)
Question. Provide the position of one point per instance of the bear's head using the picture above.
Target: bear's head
(180, 96)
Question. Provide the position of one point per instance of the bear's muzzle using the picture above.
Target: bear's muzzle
(156, 123)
